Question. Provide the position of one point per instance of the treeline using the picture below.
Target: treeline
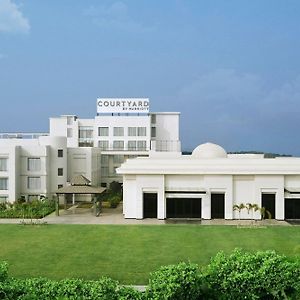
(239, 275)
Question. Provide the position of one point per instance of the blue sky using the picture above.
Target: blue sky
(231, 68)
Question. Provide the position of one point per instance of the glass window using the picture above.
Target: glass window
(118, 145)
(3, 164)
(103, 145)
(141, 145)
(153, 119)
(131, 131)
(3, 183)
(141, 131)
(69, 132)
(153, 132)
(104, 171)
(60, 153)
(118, 131)
(59, 186)
(34, 183)
(32, 197)
(60, 171)
(118, 159)
(70, 120)
(86, 132)
(104, 159)
(102, 131)
(34, 164)
(131, 145)
(3, 198)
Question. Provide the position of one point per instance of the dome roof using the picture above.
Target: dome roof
(209, 150)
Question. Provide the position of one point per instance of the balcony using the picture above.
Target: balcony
(166, 146)
(22, 135)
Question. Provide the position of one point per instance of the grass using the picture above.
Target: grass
(128, 253)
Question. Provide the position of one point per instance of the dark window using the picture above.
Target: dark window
(60, 171)
(60, 186)
(60, 153)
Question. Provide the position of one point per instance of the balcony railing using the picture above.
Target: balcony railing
(166, 146)
(22, 135)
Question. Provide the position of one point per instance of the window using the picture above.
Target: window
(103, 184)
(118, 131)
(118, 145)
(34, 164)
(60, 171)
(3, 164)
(86, 132)
(131, 131)
(103, 145)
(69, 132)
(131, 145)
(60, 186)
(141, 131)
(102, 131)
(85, 135)
(70, 120)
(153, 132)
(153, 119)
(141, 145)
(118, 159)
(34, 183)
(104, 171)
(32, 197)
(104, 159)
(3, 199)
(60, 153)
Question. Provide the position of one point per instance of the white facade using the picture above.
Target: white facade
(208, 183)
(35, 165)
(120, 136)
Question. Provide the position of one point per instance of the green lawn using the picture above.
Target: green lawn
(128, 253)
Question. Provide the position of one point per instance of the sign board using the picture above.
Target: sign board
(122, 105)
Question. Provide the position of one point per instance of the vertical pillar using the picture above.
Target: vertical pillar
(73, 199)
(65, 202)
(57, 205)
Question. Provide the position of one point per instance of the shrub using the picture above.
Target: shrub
(182, 281)
(3, 270)
(260, 275)
(34, 209)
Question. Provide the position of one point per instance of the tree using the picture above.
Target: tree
(239, 208)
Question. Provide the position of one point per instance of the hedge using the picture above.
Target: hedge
(239, 275)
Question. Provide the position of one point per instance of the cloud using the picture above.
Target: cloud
(115, 16)
(12, 19)
(240, 110)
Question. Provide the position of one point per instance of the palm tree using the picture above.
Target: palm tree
(239, 208)
(253, 207)
(263, 211)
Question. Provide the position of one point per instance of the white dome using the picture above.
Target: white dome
(209, 150)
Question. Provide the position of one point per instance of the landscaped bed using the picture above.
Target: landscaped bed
(35, 209)
(128, 253)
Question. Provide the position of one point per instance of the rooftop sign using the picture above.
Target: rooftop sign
(122, 105)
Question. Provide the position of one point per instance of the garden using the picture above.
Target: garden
(237, 275)
(34, 209)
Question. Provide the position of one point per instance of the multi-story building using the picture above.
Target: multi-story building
(32, 165)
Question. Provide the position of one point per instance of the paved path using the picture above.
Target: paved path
(115, 216)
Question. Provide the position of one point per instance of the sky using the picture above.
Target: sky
(231, 67)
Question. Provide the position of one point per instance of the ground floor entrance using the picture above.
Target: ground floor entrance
(268, 202)
(292, 209)
(150, 205)
(183, 208)
(218, 206)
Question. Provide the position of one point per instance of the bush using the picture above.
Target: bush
(260, 275)
(35, 209)
(3, 270)
(182, 281)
